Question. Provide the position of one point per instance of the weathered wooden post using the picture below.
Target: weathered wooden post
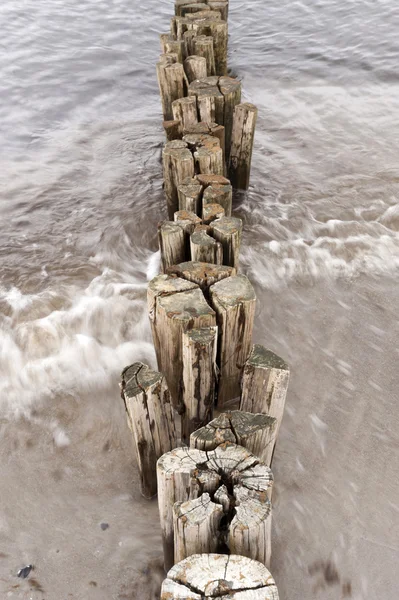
(227, 231)
(234, 302)
(210, 212)
(186, 473)
(219, 194)
(172, 85)
(185, 111)
(178, 164)
(199, 378)
(231, 90)
(196, 523)
(190, 195)
(150, 418)
(210, 100)
(221, 6)
(242, 141)
(216, 576)
(256, 432)
(175, 305)
(206, 179)
(265, 383)
(204, 248)
(172, 244)
(203, 46)
(203, 274)
(195, 67)
(176, 483)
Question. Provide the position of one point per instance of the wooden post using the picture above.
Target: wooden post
(220, 5)
(210, 23)
(203, 46)
(227, 231)
(234, 301)
(199, 378)
(172, 130)
(171, 314)
(256, 432)
(210, 100)
(231, 90)
(190, 195)
(210, 212)
(204, 248)
(178, 164)
(172, 86)
(196, 523)
(181, 4)
(186, 473)
(215, 576)
(150, 417)
(203, 274)
(209, 160)
(219, 194)
(174, 47)
(265, 383)
(185, 111)
(250, 530)
(172, 244)
(242, 141)
(195, 67)
(176, 483)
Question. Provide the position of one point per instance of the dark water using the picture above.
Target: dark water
(81, 194)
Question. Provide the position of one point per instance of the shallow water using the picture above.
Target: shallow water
(81, 193)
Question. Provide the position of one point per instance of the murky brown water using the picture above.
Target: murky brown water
(81, 195)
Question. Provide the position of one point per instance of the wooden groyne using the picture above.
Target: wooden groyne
(205, 424)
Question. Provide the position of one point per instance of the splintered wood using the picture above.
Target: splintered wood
(150, 418)
(256, 432)
(185, 474)
(217, 576)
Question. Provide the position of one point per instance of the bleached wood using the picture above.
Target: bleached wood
(185, 111)
(227, 231)
(178, 164)
(204, 248)
(203, 274)
(234, 302)
(185, 473)
(176, 483)
(242, 141)
(210, 23)
(217, 577)
(250, 530)
(196, 523)
(203, 46)
(195, 67)
(172, 244)
(210, 212)
(256, 432)
(265, 383)
(180, 4)
(190, 196)
(199, 348)
(209, 160)
(176, 86)
(150, 418)
(219, 194)
(171, 315)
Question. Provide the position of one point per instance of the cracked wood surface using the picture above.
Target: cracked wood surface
(219, 577)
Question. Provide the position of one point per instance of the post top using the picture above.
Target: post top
(261, 357)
